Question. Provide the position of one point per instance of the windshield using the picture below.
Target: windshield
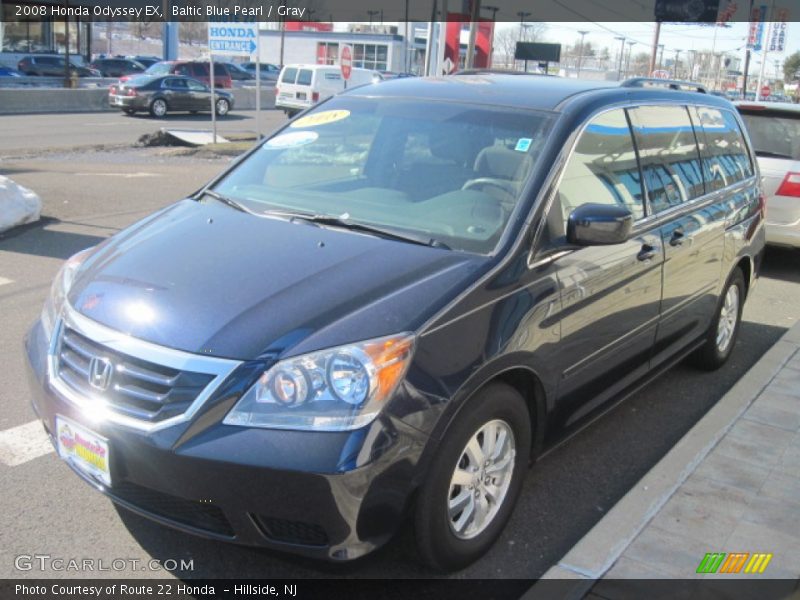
(159, 68)
(774, 133)
(453, 172)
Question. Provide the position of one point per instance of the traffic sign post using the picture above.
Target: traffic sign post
(346, 63)
(233, 39)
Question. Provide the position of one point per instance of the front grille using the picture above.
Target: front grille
(200, 515)
(136, 388)
(292, 532)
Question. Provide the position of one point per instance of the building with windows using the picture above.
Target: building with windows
(380, 48)
(34, 31)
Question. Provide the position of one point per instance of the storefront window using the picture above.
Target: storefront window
(25, 36)
(327, 53)
(371, 56)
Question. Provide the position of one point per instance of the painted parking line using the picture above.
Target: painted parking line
(4, 281)
(23, 443)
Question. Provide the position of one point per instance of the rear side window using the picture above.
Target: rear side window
(289, 75)
(774, 134)
(726, 157)
(304, 77)
(601, 170)
(199, 70)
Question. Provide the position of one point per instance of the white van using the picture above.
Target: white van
(302, 86)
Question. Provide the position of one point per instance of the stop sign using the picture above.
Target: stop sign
(346, 62)
(765, 91)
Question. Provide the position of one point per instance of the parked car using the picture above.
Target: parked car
(238, 73)
(301, 86)
(9, 72)
(269, 72)
(117, 67)
(145, 60)
(195, 69)
(169, 93)
(775, 132)
(52, 66)
(390, 307)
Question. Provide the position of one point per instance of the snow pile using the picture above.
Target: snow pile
(18, 205)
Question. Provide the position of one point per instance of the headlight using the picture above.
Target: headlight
(337, 389)
(59, 290)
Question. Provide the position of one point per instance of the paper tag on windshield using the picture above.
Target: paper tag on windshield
(523, 144)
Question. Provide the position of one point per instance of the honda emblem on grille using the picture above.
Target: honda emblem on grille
(100, 370)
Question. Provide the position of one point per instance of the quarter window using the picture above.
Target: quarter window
(668, 153)
(601, 170)
(726, 159)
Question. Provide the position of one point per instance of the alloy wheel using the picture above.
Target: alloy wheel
(481, 479)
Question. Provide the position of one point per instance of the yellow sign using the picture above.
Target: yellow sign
(321, 118)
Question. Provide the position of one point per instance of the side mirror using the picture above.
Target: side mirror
(599, 225)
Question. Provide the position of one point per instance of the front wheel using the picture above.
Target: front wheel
(158, 108)
(222, 107)
(474, 480)
(721, 336)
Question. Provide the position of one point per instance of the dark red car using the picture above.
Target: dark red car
(196, 69)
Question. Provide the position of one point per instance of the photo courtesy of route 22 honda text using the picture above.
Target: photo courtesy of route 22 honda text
(387, 310)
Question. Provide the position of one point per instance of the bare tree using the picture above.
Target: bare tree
(505, 41)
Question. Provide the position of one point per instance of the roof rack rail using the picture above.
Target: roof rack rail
(673, 84)
(481, 71)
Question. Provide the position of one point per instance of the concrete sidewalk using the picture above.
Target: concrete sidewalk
(730, 485)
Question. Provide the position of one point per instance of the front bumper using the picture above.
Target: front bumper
(334, 496)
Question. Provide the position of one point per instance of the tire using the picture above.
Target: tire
(451, 538)
(721, 336)
(222, 107)
(158, 108)
(291, 113)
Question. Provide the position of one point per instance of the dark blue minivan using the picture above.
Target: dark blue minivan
(389, 308)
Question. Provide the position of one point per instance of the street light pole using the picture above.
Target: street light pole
(631, 44)
(580, 54)
(677, 62)
(621, 55)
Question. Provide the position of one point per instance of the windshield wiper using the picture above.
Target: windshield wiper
(344, 223)
(226, 200)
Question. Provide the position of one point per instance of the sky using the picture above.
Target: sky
(673, 35)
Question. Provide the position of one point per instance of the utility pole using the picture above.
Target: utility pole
(631, 44)
(660, 56)
(580, 54)
(764, 50)
(621, 55)
(473, 32)
(493, 10)
(654, 49)
(677, 62)
(747, 53)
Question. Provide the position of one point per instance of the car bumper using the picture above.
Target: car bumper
(783, 235)
(310, 493)
(124, 102)
(286, 103)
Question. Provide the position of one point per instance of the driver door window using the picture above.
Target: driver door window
(601, 170)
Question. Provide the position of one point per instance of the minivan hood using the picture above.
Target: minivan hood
(206, 278)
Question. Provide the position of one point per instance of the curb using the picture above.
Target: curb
(599, 549)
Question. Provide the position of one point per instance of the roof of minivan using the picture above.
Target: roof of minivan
(529, 91)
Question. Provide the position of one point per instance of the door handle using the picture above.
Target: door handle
(677, 238)
(646, 253)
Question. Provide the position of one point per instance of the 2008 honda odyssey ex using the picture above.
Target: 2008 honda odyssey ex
(391, 306)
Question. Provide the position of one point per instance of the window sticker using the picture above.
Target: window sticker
(292, 140)
(523, 144)
(320, 118)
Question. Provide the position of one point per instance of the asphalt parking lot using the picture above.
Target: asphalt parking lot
(90, 194)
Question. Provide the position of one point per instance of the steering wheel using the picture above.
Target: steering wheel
(504, 184)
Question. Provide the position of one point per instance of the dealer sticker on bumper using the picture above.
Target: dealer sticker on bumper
(84, 449)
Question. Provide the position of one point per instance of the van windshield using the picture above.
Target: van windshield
(454, 172)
